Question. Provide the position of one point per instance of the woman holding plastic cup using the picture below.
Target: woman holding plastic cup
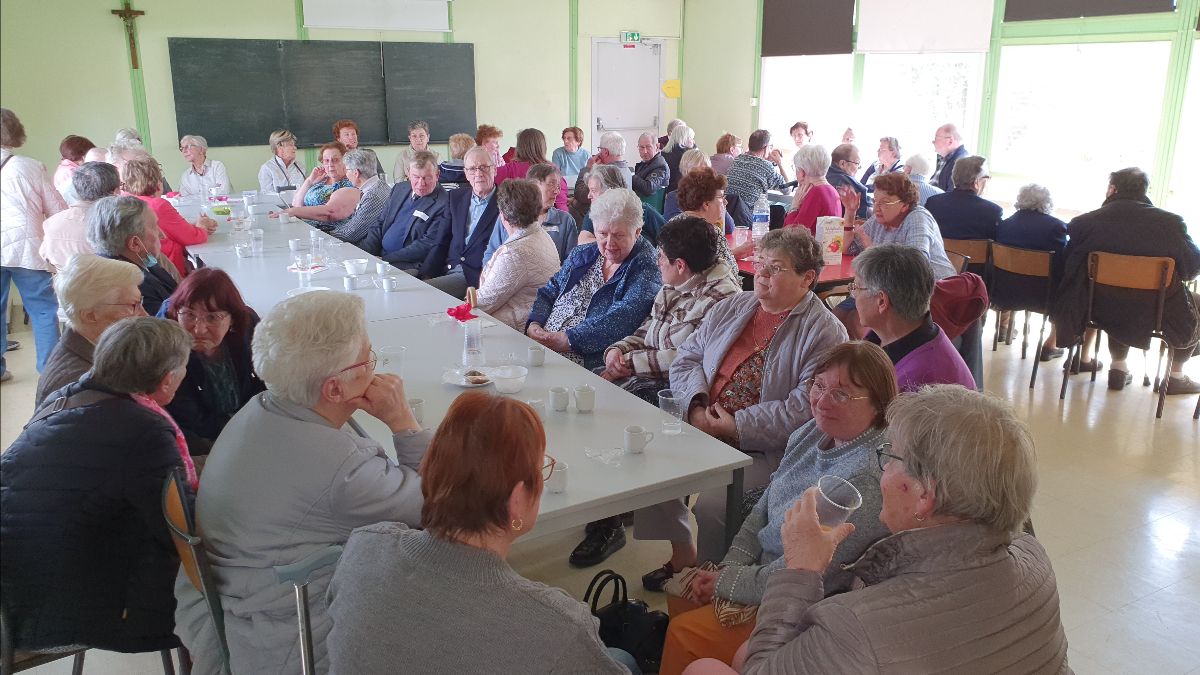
(852, 385)
(966, 589)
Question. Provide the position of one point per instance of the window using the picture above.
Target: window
(1068, 115)
(816, 89)
(1181, 197)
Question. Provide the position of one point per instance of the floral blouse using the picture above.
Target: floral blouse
(571, 307)
(321, 192)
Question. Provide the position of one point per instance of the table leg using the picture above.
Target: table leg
(733, 505)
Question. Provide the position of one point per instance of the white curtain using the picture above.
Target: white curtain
(888, 26)
(416, 15)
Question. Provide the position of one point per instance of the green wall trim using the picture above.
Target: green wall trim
(1182, 44)
(679, 68)
(573, 61)
(301, 31)
(756, 92)
(991, 79)
(1070, 30)
(137, 85)
(448, 36)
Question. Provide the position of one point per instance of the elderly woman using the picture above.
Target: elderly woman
(606, 177)
(572, 157)
(346, 133)
(896, 218)
(203, 174)
(488, 137)
(372, 195)
(87, 557)
(452, 170)
(65, 233)
(143, 179)
(531, 150)
(281, 172)
(681, 139)
(604, 290)
(888, 161)
(801, 134)
(72, 149)
(741, 376)
(308, 483)
(701, 194)
(1032, 227)
(220, 377)
(124, 228)
(978, 596)
(27, 198)
(94, 293)
(728, 148)
(559, 224)
(315, 202)
(849, 392)
(425, 580)
(814, 196)
(418, 141)
(692, 159)
(524, 263)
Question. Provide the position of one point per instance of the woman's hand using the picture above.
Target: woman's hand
(384, 400)
(615, 365)
(743, 251)
(704, 585)
(850, 203)
(206, 223)
(806, 545)
(722, 423)
(554, 340)
(776, 157)
(698, 417)
(317, 175)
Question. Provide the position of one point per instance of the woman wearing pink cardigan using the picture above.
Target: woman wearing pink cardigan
(531, 149)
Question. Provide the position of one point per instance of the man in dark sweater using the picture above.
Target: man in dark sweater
(652, 173)
(947, 142)
(962, 213)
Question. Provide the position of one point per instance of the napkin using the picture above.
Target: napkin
(462, 312)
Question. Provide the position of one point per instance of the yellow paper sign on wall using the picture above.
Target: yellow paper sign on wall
(670, 88)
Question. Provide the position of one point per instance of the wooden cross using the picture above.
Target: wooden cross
(128, 15)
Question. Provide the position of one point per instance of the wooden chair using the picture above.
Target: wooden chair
(978, 252)
(298, 574)
(1028, 263)
(958, 261)
(193, 555)
(1139, 273)
(13, 660)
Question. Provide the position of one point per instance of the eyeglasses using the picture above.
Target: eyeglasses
(130, 306)
(548, 467)
(370, 363)
(881, 452)
(769, 270)
(816, 390)
(192, 317)
(891, 203)
(852, 287)
(185, 148)
(478, 169)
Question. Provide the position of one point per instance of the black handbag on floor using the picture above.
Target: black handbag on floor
(628, 624)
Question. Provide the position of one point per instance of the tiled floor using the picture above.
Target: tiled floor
(1118, 508)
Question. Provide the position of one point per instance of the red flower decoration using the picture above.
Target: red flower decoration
(462, 312)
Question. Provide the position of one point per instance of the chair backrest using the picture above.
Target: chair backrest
(958, 260)
(975, 249)
(1136, 272)
(656, 200)
(778, 214)
(1024, 261)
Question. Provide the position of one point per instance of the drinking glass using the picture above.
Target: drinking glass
(473, 356)
(391, 360)
(673, 425)
(836, 500)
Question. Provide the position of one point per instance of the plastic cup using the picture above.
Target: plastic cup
(673, 425)
(836, 500)
(391, 360)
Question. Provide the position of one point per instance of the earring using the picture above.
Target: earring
(517, 524)
(919, 518)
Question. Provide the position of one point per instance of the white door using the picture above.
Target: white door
(626, 91)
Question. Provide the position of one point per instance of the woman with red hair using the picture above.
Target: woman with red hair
(220, 378)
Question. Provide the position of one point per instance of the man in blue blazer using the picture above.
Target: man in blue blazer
(457, 259)
(412, 223)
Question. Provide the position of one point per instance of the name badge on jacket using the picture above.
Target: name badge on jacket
(421, 214)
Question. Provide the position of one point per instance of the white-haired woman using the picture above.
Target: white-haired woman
(958, 480)
(282, 171)
(814, 196)
(604, 290)
(1033, 227)
(94, 293)
(203, 174)
(309, 482)
(888, 160)
(125, 228)
(608, 177)
(681, 139)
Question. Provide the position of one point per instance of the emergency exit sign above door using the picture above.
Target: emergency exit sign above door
(630, 37)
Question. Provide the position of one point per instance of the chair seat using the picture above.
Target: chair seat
(23, 660)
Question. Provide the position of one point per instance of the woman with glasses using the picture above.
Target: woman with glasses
(203, 174)
(327, 198)
(444, 599)
(220, 378)
(694, 160)
(740, 376)
(281, 172)
(850, 389)
(288, 477)
(955, 588)
(701, 194)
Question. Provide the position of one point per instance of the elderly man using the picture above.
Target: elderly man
(1128, 224)
(287, 478)
(94, 293)
(606, 178)
(457, 259)
(948, 144)
(753, 173)
(666, 138)
(66, 231)
(413, 220)
(841, 176)
(612, 152)
(962, 213)
(124, 228)
(652, 173)
(918, 170)
(373, 196)
(892, 286)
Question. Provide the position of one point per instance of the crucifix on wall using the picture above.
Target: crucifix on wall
(128, 16)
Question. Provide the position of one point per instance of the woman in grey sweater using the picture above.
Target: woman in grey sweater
(851, 388)
(444, 599)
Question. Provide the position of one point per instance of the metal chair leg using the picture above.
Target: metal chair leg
(306, 646)
(1038, 358)
(996, 335)
(77, 664)
(1071, 351)
(1025, 336)
(1095, 354)
(1196, 413)
(1160, 380)
(1162, 391)
(167, 663)
(185, 660)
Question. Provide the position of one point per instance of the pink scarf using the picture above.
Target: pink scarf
(146, 401)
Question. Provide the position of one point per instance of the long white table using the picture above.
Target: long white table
(415, 317)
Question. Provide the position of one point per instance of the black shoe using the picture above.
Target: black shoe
(1050, 354)
(1117, 379)
(599, 543)
(1182, 385)
(655, 580)
(13, 346)
(1084, 367)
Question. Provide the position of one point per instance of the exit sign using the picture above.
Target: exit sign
(630, 37)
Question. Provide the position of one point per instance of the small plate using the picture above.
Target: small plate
(300, 291)
(456, 377)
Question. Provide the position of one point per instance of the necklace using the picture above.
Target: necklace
(773, 321)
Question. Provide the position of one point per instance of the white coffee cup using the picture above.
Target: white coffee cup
(585, 398)
(557, 483)
(536, 355)
(539, 406)
(391, 283)
(560, 398)
(284, 218)
(382, 268)
(636, 439)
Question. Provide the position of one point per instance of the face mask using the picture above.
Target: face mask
(150, 260)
